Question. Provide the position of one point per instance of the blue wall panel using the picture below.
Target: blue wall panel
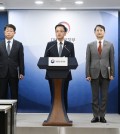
(3, 22)
(34, 94)
(119, 63)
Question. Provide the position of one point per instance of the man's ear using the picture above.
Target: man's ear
(65, 33)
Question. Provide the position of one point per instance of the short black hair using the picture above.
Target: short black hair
(101, 26)
(60, 25)
(11, 26)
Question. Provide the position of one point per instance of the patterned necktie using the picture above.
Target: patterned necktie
(60, 49)
(8, 47)
(99, 48)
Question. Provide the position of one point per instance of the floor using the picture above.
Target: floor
(31, 123)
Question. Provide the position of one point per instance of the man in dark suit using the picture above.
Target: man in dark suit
(11, 63)
(60, 48)
(99, 70)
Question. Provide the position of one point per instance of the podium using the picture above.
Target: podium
(58, 115)
(5, 119)
(13, 104)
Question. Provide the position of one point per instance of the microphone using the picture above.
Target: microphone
(66, 48)
(51, 47)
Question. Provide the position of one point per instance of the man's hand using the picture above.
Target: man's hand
(111, 78)
(88, 78)
(21, 76)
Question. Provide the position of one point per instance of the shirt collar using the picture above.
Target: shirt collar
(100, 40)
(11, 41)
(58, 42)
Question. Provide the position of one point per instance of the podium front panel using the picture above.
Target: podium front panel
(13, 104)
(5, 120)
(57, 74)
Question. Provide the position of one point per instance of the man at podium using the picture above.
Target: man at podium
(60, 48)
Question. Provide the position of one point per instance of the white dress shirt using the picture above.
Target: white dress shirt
(11, 42)
(58, 44)
(101, 43)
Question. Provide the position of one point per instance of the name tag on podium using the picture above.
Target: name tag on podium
(58, 61)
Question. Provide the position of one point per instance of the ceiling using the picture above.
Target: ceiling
(53, 4)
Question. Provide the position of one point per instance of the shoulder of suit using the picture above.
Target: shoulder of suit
(16, 41)
(52, 42)
(107, 42)
(68, 43)
(93, 42)
(3, 41)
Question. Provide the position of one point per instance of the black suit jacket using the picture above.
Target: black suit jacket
(52, 51)
(13, 62)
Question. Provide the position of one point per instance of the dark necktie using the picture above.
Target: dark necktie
(8, 47)
(60, 49)
(99, 48)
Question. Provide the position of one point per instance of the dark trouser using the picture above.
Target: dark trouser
(65, 93)
(99, 96)
(12, 83)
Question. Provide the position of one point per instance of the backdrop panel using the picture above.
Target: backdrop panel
(35, 28)
(119, 62)
(3, 22)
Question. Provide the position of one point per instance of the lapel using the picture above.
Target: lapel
(95, 48)
(104, 47)
(55, 49)
(14, 45)
(3, 45)
(64, 49)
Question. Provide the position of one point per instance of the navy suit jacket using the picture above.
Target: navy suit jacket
(52, 51)
(13, 62)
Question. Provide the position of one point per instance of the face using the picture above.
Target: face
(99, 33)
(9, 33)
(60, 33)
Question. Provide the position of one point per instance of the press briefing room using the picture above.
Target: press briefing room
(59, 67)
